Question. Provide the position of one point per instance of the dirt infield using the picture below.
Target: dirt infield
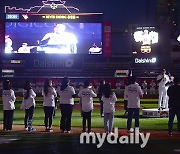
(77, 131)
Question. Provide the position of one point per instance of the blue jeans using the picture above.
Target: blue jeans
(131, 112)
(108, 122)
(28, 117)
(172, 113)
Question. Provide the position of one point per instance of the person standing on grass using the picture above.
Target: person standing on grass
(49, 95)
(99, 95)
(152, 88)
(144, 87)
(8, 98)
(126, 100)
(133, 93)
(109, 98)
(67, 95)
(174, 105)
(28, 104)
(86, 96)
(162, 80)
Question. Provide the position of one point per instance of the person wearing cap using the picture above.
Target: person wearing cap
(24, 48)
(162, 80)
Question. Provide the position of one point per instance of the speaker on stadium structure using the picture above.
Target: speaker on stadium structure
(2, 36)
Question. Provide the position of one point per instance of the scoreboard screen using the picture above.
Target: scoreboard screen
(145, 41)
(53, 34)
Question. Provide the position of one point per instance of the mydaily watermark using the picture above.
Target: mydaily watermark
(135, 137)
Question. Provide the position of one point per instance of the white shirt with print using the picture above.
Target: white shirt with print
(133, 93)
(49, 99)
(8, 98)
(109, 103)
(87, 95)
(30, 101)
(66, 95)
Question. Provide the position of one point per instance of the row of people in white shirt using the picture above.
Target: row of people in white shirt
(66, 98)
(67, 94)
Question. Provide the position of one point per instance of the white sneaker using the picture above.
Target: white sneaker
(32, 129)
(131, 130)
(50, 130)
(70, 131)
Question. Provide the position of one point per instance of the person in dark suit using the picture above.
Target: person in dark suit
(174, 105)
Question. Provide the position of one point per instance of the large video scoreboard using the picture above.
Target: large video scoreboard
(53, 33)
(145, 46)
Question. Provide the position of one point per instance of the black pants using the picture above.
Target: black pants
(131, 112)
(8, 119)
(125, 105)
(86, 117)
(172, 113)
(66, 113)
(48, 119)
(28, 117)
(101, 106)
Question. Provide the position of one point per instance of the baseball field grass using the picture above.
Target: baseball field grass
(97, 120)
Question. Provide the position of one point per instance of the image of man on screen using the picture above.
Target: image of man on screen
(8, 44)
(60, 41)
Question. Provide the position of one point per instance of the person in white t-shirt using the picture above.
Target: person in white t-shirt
(99, 95)
(109, 98)
(25, 48)
(118, 88)
(86, 96)
(152, 88)
(126, 100)
(81, 86)
(49, 94)
(8, 98)
(67, 95)
(144, 87)
(133, 93)
(162, 80)
(28, 104)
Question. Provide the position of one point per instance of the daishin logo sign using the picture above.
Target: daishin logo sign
(146, 36)
(145, 60)
(113, 138)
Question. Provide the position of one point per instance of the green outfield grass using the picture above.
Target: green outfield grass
(97, 121)
(120, 100)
